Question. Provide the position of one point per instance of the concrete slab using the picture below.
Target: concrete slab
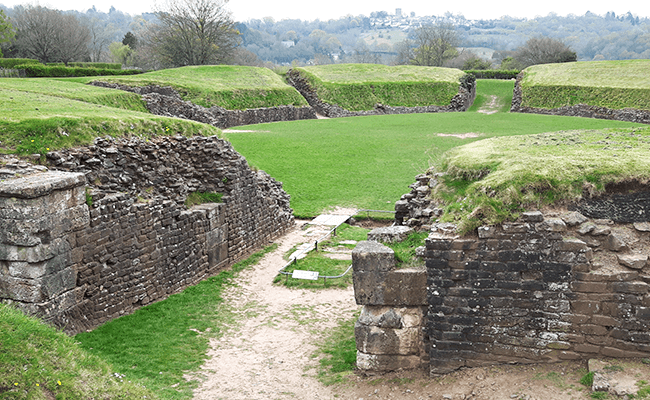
(330, 219)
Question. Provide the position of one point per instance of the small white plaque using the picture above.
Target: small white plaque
(310, 275)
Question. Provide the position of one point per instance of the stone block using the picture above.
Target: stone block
(551, 225)
(390, 234)
(386, 363)
(630, 287)
(376, 340)
(373, 257)
(633, 261)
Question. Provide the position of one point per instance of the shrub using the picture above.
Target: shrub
(10, 63)
(493, 73)
(47, 71)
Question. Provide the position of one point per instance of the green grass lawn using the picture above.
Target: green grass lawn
(39, 362)
(358, 87)
(611, 84)
(34, 123)
(369, 162)
(227, 86)
(76, 91)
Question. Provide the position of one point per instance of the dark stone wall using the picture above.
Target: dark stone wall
(257, 209)
(579, 110)
(530, 292)
(78, 266)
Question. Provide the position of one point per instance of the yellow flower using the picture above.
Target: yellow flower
(32, 140)
(48, 149)
(16, 384)
(58, 382)
(38, 384)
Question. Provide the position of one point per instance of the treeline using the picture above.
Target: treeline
(378, 38)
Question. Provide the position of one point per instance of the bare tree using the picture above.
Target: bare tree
(194, 32)
(435, 44)
(49, 35)
(544, 50)
(101, 36)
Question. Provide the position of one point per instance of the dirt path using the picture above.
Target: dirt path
(491, 107)
(269, 354)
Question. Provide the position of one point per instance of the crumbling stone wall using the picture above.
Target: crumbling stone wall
(167, 102)
(537, 290)
(460, 102)
(579, 110)
(552, 286)
(78, 266)
(257, 209)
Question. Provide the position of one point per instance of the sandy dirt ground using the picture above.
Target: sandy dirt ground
(269, 353)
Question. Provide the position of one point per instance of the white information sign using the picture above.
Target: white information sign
(309, 275)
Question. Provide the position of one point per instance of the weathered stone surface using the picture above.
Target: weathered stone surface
(574, 218)
(387, 362)
(634, 261)
(390, 234)
(615, 242)
(387, 341)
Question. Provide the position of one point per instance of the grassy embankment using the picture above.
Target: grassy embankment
(358, 87)
(611, 84)
(227, 86)
(36, 121)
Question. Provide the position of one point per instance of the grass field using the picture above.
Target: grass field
(230, 87)
(34, 123)
(76, 91)
(369, 162)
(39, 362)
(358, 87)
(611, 84)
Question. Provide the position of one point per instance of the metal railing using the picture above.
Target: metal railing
(294, 257)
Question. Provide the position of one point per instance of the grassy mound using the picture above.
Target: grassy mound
(227, 86)
(358, 87)
(611, 84)
(38, 362)
(492, 180)
(33, 123)
(76, 91)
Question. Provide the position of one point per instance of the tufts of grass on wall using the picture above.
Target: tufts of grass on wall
(493, 180)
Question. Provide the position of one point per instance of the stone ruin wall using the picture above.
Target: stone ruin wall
(549, 287)
(579, 110)
(79, 266)
(165, 101)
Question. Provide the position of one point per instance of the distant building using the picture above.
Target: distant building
(288, 43)
(398, 12)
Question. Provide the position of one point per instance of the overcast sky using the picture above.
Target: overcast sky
(243, 10)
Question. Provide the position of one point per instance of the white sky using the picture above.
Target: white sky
(243, 10)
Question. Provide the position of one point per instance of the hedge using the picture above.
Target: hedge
(493, 73)
(98, 65)
(11, 63)
(42, 71)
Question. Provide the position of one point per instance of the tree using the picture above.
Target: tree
(6, 30)
(101, 35)
(194, 32)
(544, 50)
(435, 44)
(49, 35)
(130, 40)
(121, 53)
